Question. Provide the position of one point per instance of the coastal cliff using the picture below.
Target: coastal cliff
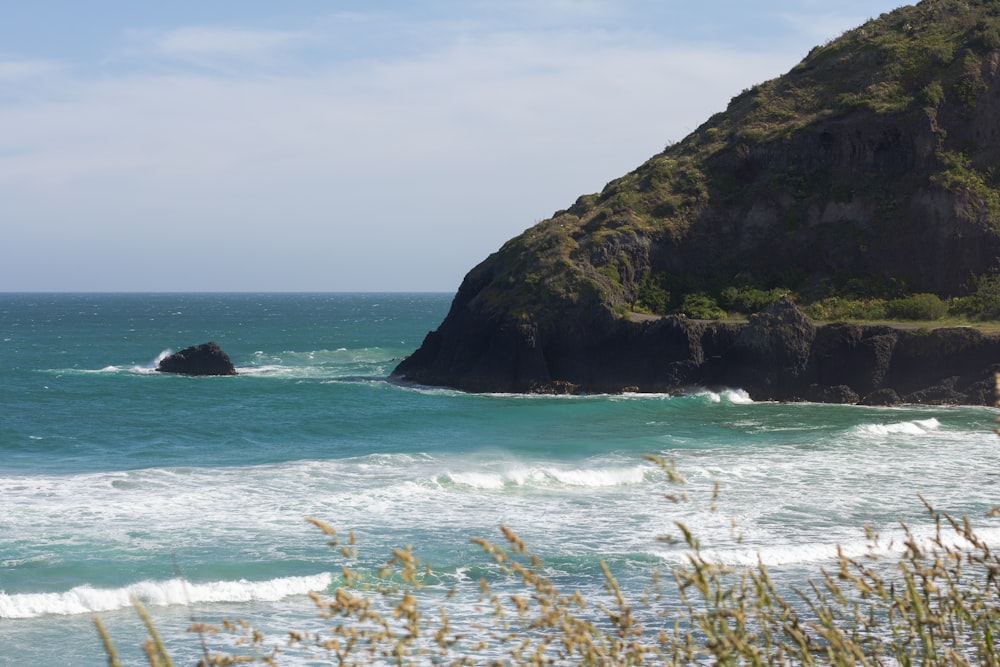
(868, 174)
(778, 355)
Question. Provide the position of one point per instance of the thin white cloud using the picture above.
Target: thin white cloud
(213, 47)
(234, 42)
(23, 70)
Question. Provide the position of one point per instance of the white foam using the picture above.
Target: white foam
(143, 369)
(623, 396)
(550, 477)
(734, 396)
(88, 600)
(891, 546)
(915, 427)
(749, 557)
(600, 478)
(317, 363)
(479, 480)
(738, 396)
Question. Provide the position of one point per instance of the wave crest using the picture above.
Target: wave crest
(734, 396)
(915, 427)
(547, 477)
(87, 599)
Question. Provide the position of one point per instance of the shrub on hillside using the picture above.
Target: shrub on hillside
(917, 307)
(652, 296)
(700, 306)
(749, 300)
(838, 308)
(984, 302)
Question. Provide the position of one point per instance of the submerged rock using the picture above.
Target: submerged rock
(205, 359)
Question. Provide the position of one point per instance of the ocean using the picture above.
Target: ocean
(191, 494)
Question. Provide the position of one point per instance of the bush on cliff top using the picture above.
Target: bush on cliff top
(984, 302)
(700, 306)
(917, 307)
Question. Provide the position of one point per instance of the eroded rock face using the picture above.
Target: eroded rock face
(773, 350)
(853, 355)
(778, 355)
(205, 359)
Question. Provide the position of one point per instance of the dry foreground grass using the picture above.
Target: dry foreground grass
(936, 604)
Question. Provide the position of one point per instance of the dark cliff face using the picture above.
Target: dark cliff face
(777, 355)
(873, 165)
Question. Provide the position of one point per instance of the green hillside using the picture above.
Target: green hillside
(864, 182)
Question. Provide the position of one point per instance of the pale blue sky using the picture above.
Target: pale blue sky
(327, 145)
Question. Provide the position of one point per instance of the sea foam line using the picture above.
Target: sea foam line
(87, 599)
(890, 547)
(549, 477)
(915, 427)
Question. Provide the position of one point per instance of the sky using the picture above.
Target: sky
(345, 145)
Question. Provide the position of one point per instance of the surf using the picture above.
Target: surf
(87, 599)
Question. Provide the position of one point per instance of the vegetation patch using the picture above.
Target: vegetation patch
(917, 307)
(984, 302)
(701, 306)
(961, 177)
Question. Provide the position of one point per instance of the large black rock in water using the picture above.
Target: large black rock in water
(204, 359)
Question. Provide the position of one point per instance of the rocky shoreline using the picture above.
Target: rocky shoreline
(778, 355)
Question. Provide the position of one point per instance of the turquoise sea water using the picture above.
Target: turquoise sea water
(190, 493)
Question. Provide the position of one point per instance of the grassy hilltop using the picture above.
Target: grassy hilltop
(864, 182)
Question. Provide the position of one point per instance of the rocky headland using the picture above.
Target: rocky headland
(777, 355)
(868, 174)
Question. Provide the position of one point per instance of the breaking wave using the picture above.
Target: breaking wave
(87, 599)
